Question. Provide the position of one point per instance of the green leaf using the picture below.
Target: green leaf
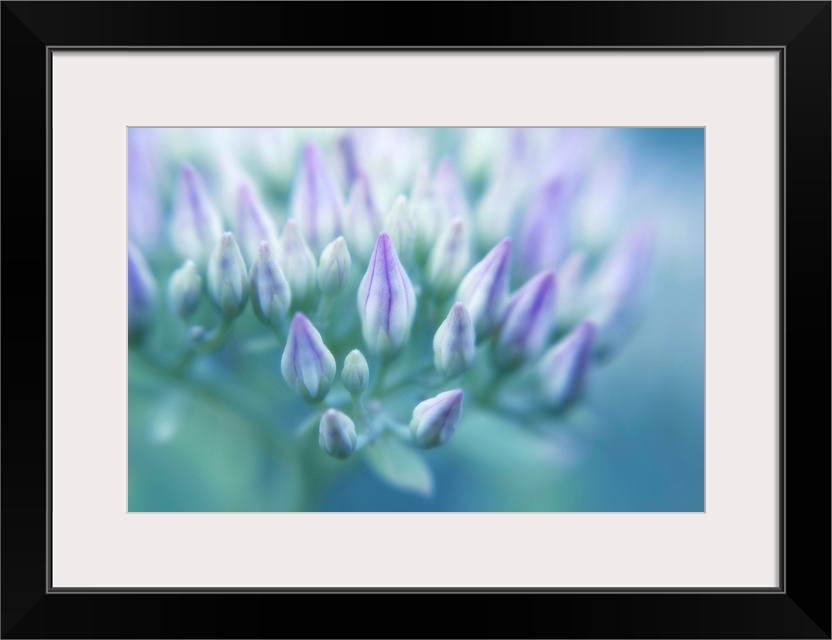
(400, 466)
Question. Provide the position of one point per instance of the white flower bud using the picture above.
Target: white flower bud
(334, 267)
(454, 342)
(434, 420)
(185, 290)
(450, 258)
(356, 373)
(336, 434)
(362, 220)
(297, 263)
(399, 226)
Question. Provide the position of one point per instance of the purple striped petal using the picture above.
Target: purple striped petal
(434, 420)
(484, 290)
(454, 344)
(271, 295)
(307, 365)
(386, 300)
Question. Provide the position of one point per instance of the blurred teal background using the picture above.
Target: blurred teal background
(636, 444)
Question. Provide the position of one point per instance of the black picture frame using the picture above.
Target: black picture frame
(798, 608)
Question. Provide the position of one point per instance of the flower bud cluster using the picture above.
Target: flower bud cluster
(431, 281)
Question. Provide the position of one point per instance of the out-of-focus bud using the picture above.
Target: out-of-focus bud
(141, 296)
(435, 419)
(528, 322)
(544, 234)
(400, 227)
(336, 434)
(144, 209)
(362, 219)
(454, 342)
(356, 373)
(571, 289)
(563, 367)
(386, 300)
(497, 210)
(317, 203)
(270, 292)
(253, 225)
(227, 277)
(428, 218)
(307, 365)
(450, 258)
(297, 262)
(484, 290)
(449, 192)
(334, 267)
(196, 223)
(616, 291)
(185, 290)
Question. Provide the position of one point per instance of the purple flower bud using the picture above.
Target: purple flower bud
(307, 365)
(270, 292)
(454, 342)
(253, 224)
(297, 263)
(386, 300)
(141, 296)
(227, 278)
(401, 228)
(362, 220)
(317, 203)
(450, 258)
(528, 321)
(334, 267)
(336, 434)
(563, 367)
(449, 192)
(196, 222)
(185, 290)
(484, 290)
(434, 420)
(544, 233)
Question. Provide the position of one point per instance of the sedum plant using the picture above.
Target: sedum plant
(395, 290)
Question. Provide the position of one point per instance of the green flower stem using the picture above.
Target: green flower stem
(378, 383)
(322, 313)
(214, 338)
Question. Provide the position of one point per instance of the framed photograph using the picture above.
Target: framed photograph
(468, 319)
